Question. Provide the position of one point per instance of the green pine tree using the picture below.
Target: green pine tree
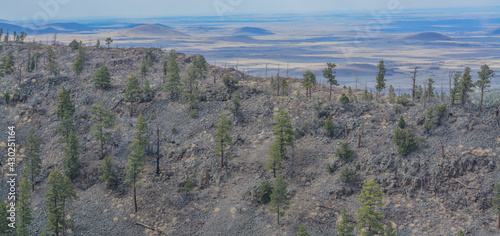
(173, 82)
(24, 217)
(6, 97)
(79, 63)
(222, 138)
(60, 191)
(329, 74)
(344, 152)
(66, 127)
(406, 141)
(265, 192)
(33, 164)
(52, 65)
(454, 93)
(401, 123)
(284, 133)
(465, 85)
(381, 77)
(144, 68)
(133, 92)
(65, 106)
(308, 81)
(484, 81)
(430, 88)
(109, 41)
(5, 223)
(279, 201)
(8, 64)
(137, 158)
(389, 230)
(303, 231)
(102, 78)
(108, 174)
(71, 165)
(461, 233)
(104, 120)
(147, 90)
(344, 228)
(369, 219)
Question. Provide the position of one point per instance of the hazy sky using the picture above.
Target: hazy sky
(77, 9)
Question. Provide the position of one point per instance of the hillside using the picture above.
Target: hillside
(251, 31)
(428, 36)
(153, 30)
(426, 193)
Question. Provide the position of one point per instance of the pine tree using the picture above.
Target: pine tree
(65, 106)
(66, 127)
(142, 131)
(389, 230)
(265, 192)
(401, 123)
(381, 77)
(24, 217)
(108, 41)
(279, 201)
(284, 133)
(461, 233)
(465, 86)
(108, 174)
(5, 229)
(484, 81)
(98, 44)
(147, 90)
(33, 164)
(329, 74)
(344, 99)
(303, 231)
(406, 141)
(308, 81)
(102, 78)
(392, 94)
(71, 165)
(173, 78)
(344, 228)
(330, 129)
(190, 83)
(344, 152)
(6, 97)
(60, 191)
(52, 66)
(73, 45)
(369, 219)
(104, 120)
(133, 92)
(430, 88)
(79, 63)
(222, 138)
(137, 158)
(8, 64)
(144, 68)
(454, 93)
(496, 201)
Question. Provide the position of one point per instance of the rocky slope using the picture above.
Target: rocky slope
(426, 193)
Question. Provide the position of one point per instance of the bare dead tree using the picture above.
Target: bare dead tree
(442, 148)
(414, 88)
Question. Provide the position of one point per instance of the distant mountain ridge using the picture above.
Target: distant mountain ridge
(428, 36)
(251, 31)
(154, 30)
